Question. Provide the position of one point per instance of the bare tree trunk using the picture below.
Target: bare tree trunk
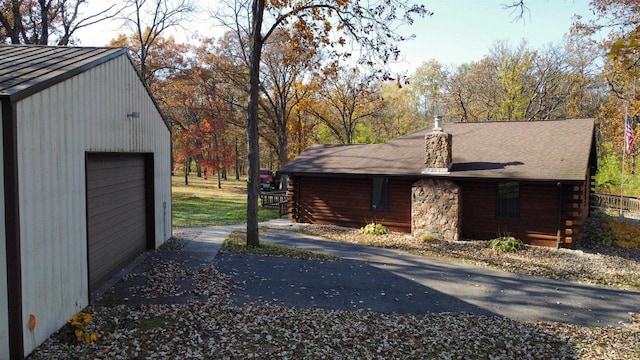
(171, 156)
(237, 161)
(217, 159)
(283, 158)
(222, 163)
(44, 20)
(253, 177)
(186, 171)
(14, 30)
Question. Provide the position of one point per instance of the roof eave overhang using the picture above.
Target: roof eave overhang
(450, 176)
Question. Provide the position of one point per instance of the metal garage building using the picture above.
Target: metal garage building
(87, 186)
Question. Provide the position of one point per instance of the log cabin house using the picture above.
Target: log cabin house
(475, 180)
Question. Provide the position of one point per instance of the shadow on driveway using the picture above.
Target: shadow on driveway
(334, 285)
(455, 286)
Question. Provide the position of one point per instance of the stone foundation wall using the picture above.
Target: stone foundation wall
(436, 208)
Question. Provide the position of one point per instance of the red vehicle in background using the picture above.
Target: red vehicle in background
(268, 180)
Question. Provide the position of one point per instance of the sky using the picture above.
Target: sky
(460, 31)
(463, 31)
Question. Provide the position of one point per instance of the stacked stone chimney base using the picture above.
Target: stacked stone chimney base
(435, 209)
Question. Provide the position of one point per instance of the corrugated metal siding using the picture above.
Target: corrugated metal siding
(4, 321)
(56, 127)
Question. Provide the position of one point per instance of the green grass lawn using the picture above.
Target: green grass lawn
(201, 203)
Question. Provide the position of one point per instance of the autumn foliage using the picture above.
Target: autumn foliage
(322, 72)
(623, 233)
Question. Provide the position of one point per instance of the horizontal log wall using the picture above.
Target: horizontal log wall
(539, 213)
(575, 212)
(347, 202)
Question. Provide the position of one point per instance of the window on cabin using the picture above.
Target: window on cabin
(508, 202)
(380, 194)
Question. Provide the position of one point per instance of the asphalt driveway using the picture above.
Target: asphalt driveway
(384, 280)
(394, 281)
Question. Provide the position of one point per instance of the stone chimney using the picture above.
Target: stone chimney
(438, 158)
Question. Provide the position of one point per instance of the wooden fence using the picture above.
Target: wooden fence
(616, 202)
(275, 200)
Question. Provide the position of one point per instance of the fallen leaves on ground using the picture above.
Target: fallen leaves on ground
(218, 329)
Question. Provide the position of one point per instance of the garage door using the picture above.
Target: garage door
(116, 213)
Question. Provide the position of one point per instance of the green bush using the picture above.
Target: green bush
(506, 244)
(428, 237)
(609, 175)
(374, 229)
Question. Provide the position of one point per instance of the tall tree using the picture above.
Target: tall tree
(427, 85)
(371, 27)
(198, 110)
(471, 91)
(224, 61)
(47, 22)
(588, 90)
(282, 88)
(524, 85)
(253, 175)
(148, 20)
(615, 33)
(162, 57)
(398, 113)
(345, 103)
(512, 67)
(301, 128)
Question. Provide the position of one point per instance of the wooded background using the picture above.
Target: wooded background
(321, 85)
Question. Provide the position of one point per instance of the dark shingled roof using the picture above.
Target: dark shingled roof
(27, 69)
(532, 150)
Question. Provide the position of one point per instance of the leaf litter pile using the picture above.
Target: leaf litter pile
(217, 329)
